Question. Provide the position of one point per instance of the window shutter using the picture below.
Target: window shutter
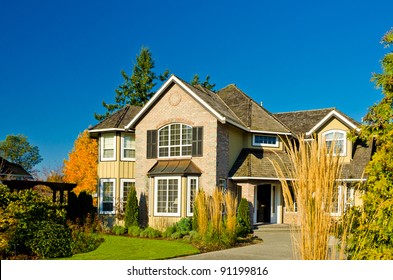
(151, 144)
(197, 141)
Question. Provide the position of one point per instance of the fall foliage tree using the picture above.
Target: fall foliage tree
(81, 166)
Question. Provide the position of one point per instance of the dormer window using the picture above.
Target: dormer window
(338, 138)
(265, 140)
(175, 140)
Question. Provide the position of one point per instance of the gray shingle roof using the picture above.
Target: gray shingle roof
(300, 122)
(249, 112)
(119, 119)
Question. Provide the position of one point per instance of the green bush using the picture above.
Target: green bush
(119, 230)
(134, 231)
(85, 237)
(150, 232)
(51, 240)
(243, 219)
(132, 209)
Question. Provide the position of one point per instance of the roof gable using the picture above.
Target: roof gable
(254, 116)
(308, 122)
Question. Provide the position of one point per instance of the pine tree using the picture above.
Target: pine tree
(136, 89)
(372, 237)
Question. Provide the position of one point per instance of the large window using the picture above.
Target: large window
(108, 147)
(167, 196)
(128, 147)
(107, 196)
(125, 188)
(265, 140)
(338, 139)
(175, 140)
(192, 189)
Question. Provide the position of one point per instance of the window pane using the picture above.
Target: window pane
(186, 135)
(263, 139)
(175, 134)
(175, 151)
(193, 189)
(164, 136)
(109, 153)
(163, 152)
(108, 191)
(186, 150)
(161, 196)
(172, 195)
(129, 153)
(108, 142)
(129, 142)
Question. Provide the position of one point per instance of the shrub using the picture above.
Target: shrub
(134, 231)
(150, 232)
(85, 206)
(132, 209)
(243, 219)
(51, 240)
(119, 230)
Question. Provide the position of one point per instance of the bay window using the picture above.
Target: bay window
(167, 196)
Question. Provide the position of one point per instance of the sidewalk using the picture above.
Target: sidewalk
(276, 245)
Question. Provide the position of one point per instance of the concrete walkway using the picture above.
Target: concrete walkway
(276, 245)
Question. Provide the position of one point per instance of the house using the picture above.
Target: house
(188, 137)
(13, 171)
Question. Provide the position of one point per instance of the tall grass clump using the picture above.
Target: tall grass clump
(230, 207)
(201, 213)
(216, 211)
(314, 173)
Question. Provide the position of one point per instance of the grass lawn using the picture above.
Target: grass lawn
(126, 248)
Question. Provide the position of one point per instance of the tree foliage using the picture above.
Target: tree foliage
(81, 166)
(206, 84)
(243, 218)
(372, 237)
(16, 149)
(136, 89)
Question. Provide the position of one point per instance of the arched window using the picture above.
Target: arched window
(339, 139)
(175, 140)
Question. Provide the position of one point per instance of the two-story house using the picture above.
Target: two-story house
(187, 137)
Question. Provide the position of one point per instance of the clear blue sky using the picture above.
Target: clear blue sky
(60, 59)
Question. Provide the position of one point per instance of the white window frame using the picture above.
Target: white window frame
(102, 181)
(254, 143)
(189, 212)
(122, 181)
(169, 146)
(340, 201)
(344, 150)
(123, 148)
(102, 148)
(179, 200)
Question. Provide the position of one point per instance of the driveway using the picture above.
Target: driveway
(276, 245)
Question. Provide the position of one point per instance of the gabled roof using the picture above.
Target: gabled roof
(13, 170)
(308, 121)
(118, 120)
(254, 116)
(208, 99)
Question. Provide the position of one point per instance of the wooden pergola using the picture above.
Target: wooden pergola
(54, 186)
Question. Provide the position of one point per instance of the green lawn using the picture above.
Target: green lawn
(126, 248)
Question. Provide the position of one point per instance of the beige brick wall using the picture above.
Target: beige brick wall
(177, 106)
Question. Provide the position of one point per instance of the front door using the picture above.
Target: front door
(263, 203)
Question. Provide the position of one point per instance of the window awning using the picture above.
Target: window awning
(174, 167)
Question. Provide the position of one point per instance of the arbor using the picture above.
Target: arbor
(81, 166)
(136, 89)
(372, 236)
(16, 149)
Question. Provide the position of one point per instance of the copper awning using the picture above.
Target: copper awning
(174, 167)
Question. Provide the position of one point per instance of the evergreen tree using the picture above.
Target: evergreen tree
(372, 237)
(132, 209)
(136, 89)
(206, 84)
(243, 219)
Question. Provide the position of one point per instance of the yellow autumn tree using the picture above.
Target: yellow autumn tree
(81, 166)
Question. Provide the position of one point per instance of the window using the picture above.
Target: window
(107, 196)
(125, 188)
(337, 201)
(338, 139)
(222, 184)
(265, 140)
(192, 189)
(167, 196)
(108, 147)
(128, 147)
(175, 140)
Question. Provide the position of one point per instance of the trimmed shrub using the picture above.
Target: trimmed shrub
(132, 209)
(119, 230)
(243, 219)
(134, 231)
(150, 232)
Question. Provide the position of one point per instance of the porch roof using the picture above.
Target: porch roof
(174, 167)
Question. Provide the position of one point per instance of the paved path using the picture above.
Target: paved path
(276, 245)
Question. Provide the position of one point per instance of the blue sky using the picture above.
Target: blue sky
(60, 59)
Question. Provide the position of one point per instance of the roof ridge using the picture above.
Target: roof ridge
(308, 110)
